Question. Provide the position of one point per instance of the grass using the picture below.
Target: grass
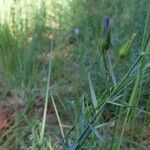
(77, 94)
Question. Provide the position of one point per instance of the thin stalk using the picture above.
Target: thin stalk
(147, 115)
(111, 70)
(131, 102)
(134, 96)
(46, 101)
(58, 118)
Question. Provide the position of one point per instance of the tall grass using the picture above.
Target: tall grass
(104, 96)
(125, 80)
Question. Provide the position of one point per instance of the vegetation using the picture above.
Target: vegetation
(79, 71)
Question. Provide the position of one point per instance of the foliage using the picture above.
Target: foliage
(73, 68)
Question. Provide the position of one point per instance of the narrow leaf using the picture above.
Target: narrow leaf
(93, 95)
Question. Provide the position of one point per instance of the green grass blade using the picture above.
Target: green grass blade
(93, 95)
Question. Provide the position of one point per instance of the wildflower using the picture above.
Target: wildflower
(106, 41)
(76, 31)
(107, 23)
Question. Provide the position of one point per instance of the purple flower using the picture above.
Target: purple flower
(107, 23)
(76, 31)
